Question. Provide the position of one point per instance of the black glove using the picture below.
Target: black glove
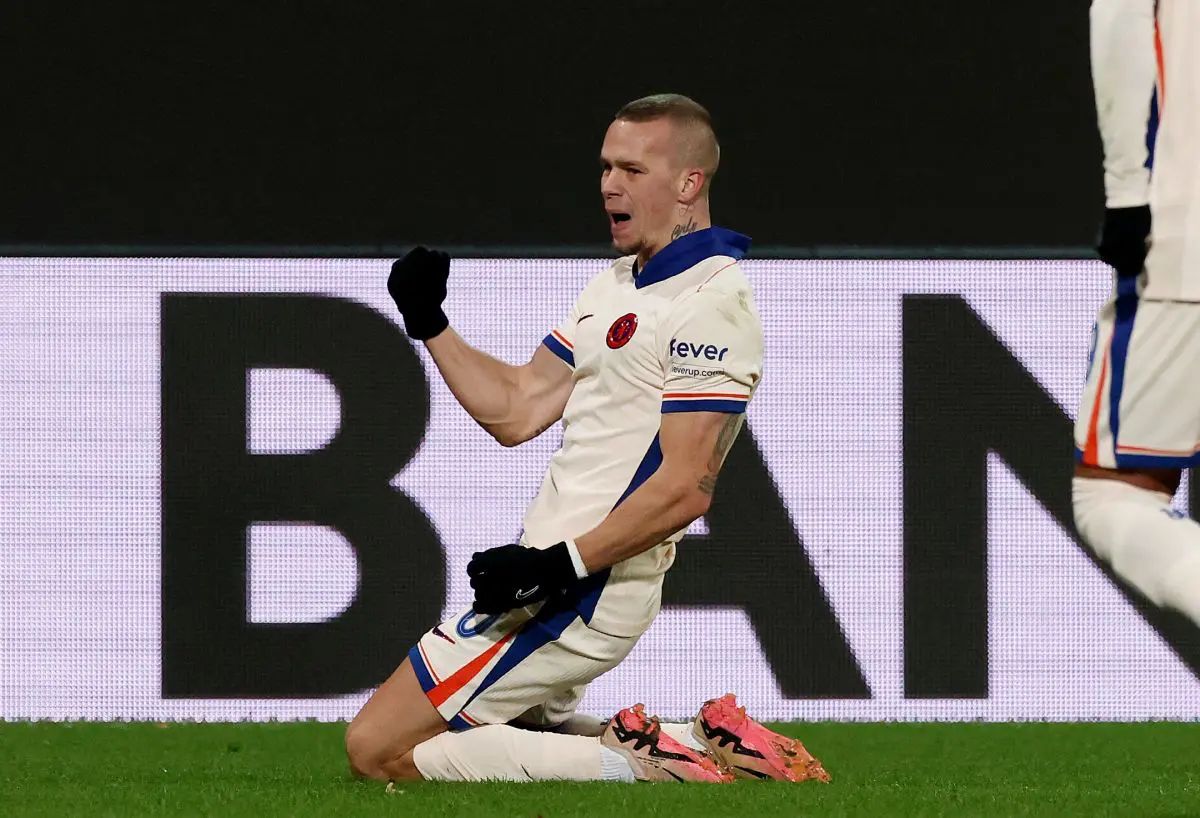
(1123, 239)
(513, 576)
(418, 286)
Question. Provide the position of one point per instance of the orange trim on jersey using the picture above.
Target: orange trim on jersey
(428, 664)
(1091, 452)
(469, 719)
(560, 337)
(705, 395)
(1162, 74)
(1146, 450)
(714, 275)
(443, 691)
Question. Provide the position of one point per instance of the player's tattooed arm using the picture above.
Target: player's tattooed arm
(694, 446)
(725, 438)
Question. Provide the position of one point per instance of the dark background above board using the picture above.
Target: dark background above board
(876, 124)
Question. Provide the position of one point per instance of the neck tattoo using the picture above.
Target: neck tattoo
(683, 229)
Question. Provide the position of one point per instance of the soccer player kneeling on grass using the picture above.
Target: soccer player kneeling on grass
(650, 372)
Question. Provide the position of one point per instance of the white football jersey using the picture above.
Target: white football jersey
(1146, 72)
(681, 335)
(1173, 266)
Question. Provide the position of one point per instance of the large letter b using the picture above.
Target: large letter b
(214, 489)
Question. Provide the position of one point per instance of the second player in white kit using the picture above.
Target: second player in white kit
(1139, 415)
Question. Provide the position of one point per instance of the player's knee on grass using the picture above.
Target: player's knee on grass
(395, 719)
(359, 751)
(370, 756)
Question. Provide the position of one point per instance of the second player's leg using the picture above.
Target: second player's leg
(1138, 426)
(397, 717)
(1133, 527)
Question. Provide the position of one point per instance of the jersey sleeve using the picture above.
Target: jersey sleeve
(561, 339)
(712, 353)
(1123, 73)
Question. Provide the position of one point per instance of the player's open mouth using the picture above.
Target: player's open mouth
(618, 218)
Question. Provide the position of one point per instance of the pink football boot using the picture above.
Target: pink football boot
(654, 755)
(743, 745)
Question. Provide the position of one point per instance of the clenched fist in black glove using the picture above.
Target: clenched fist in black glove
(418, 286)
(1123, 239)
(513, 576)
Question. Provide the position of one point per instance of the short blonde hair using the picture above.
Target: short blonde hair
(699, 140)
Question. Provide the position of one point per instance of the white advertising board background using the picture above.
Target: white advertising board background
(80, 494)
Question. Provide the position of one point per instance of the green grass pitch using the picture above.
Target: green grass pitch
(260, 770)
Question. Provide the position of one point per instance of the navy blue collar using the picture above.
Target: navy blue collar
(688, 251)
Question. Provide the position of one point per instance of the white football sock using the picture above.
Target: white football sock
(683, 734)
(498, 752)
(1147, 543)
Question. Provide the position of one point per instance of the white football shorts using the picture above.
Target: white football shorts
(529, 664)
(1141, 403)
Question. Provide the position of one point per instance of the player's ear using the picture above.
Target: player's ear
(690, 185)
